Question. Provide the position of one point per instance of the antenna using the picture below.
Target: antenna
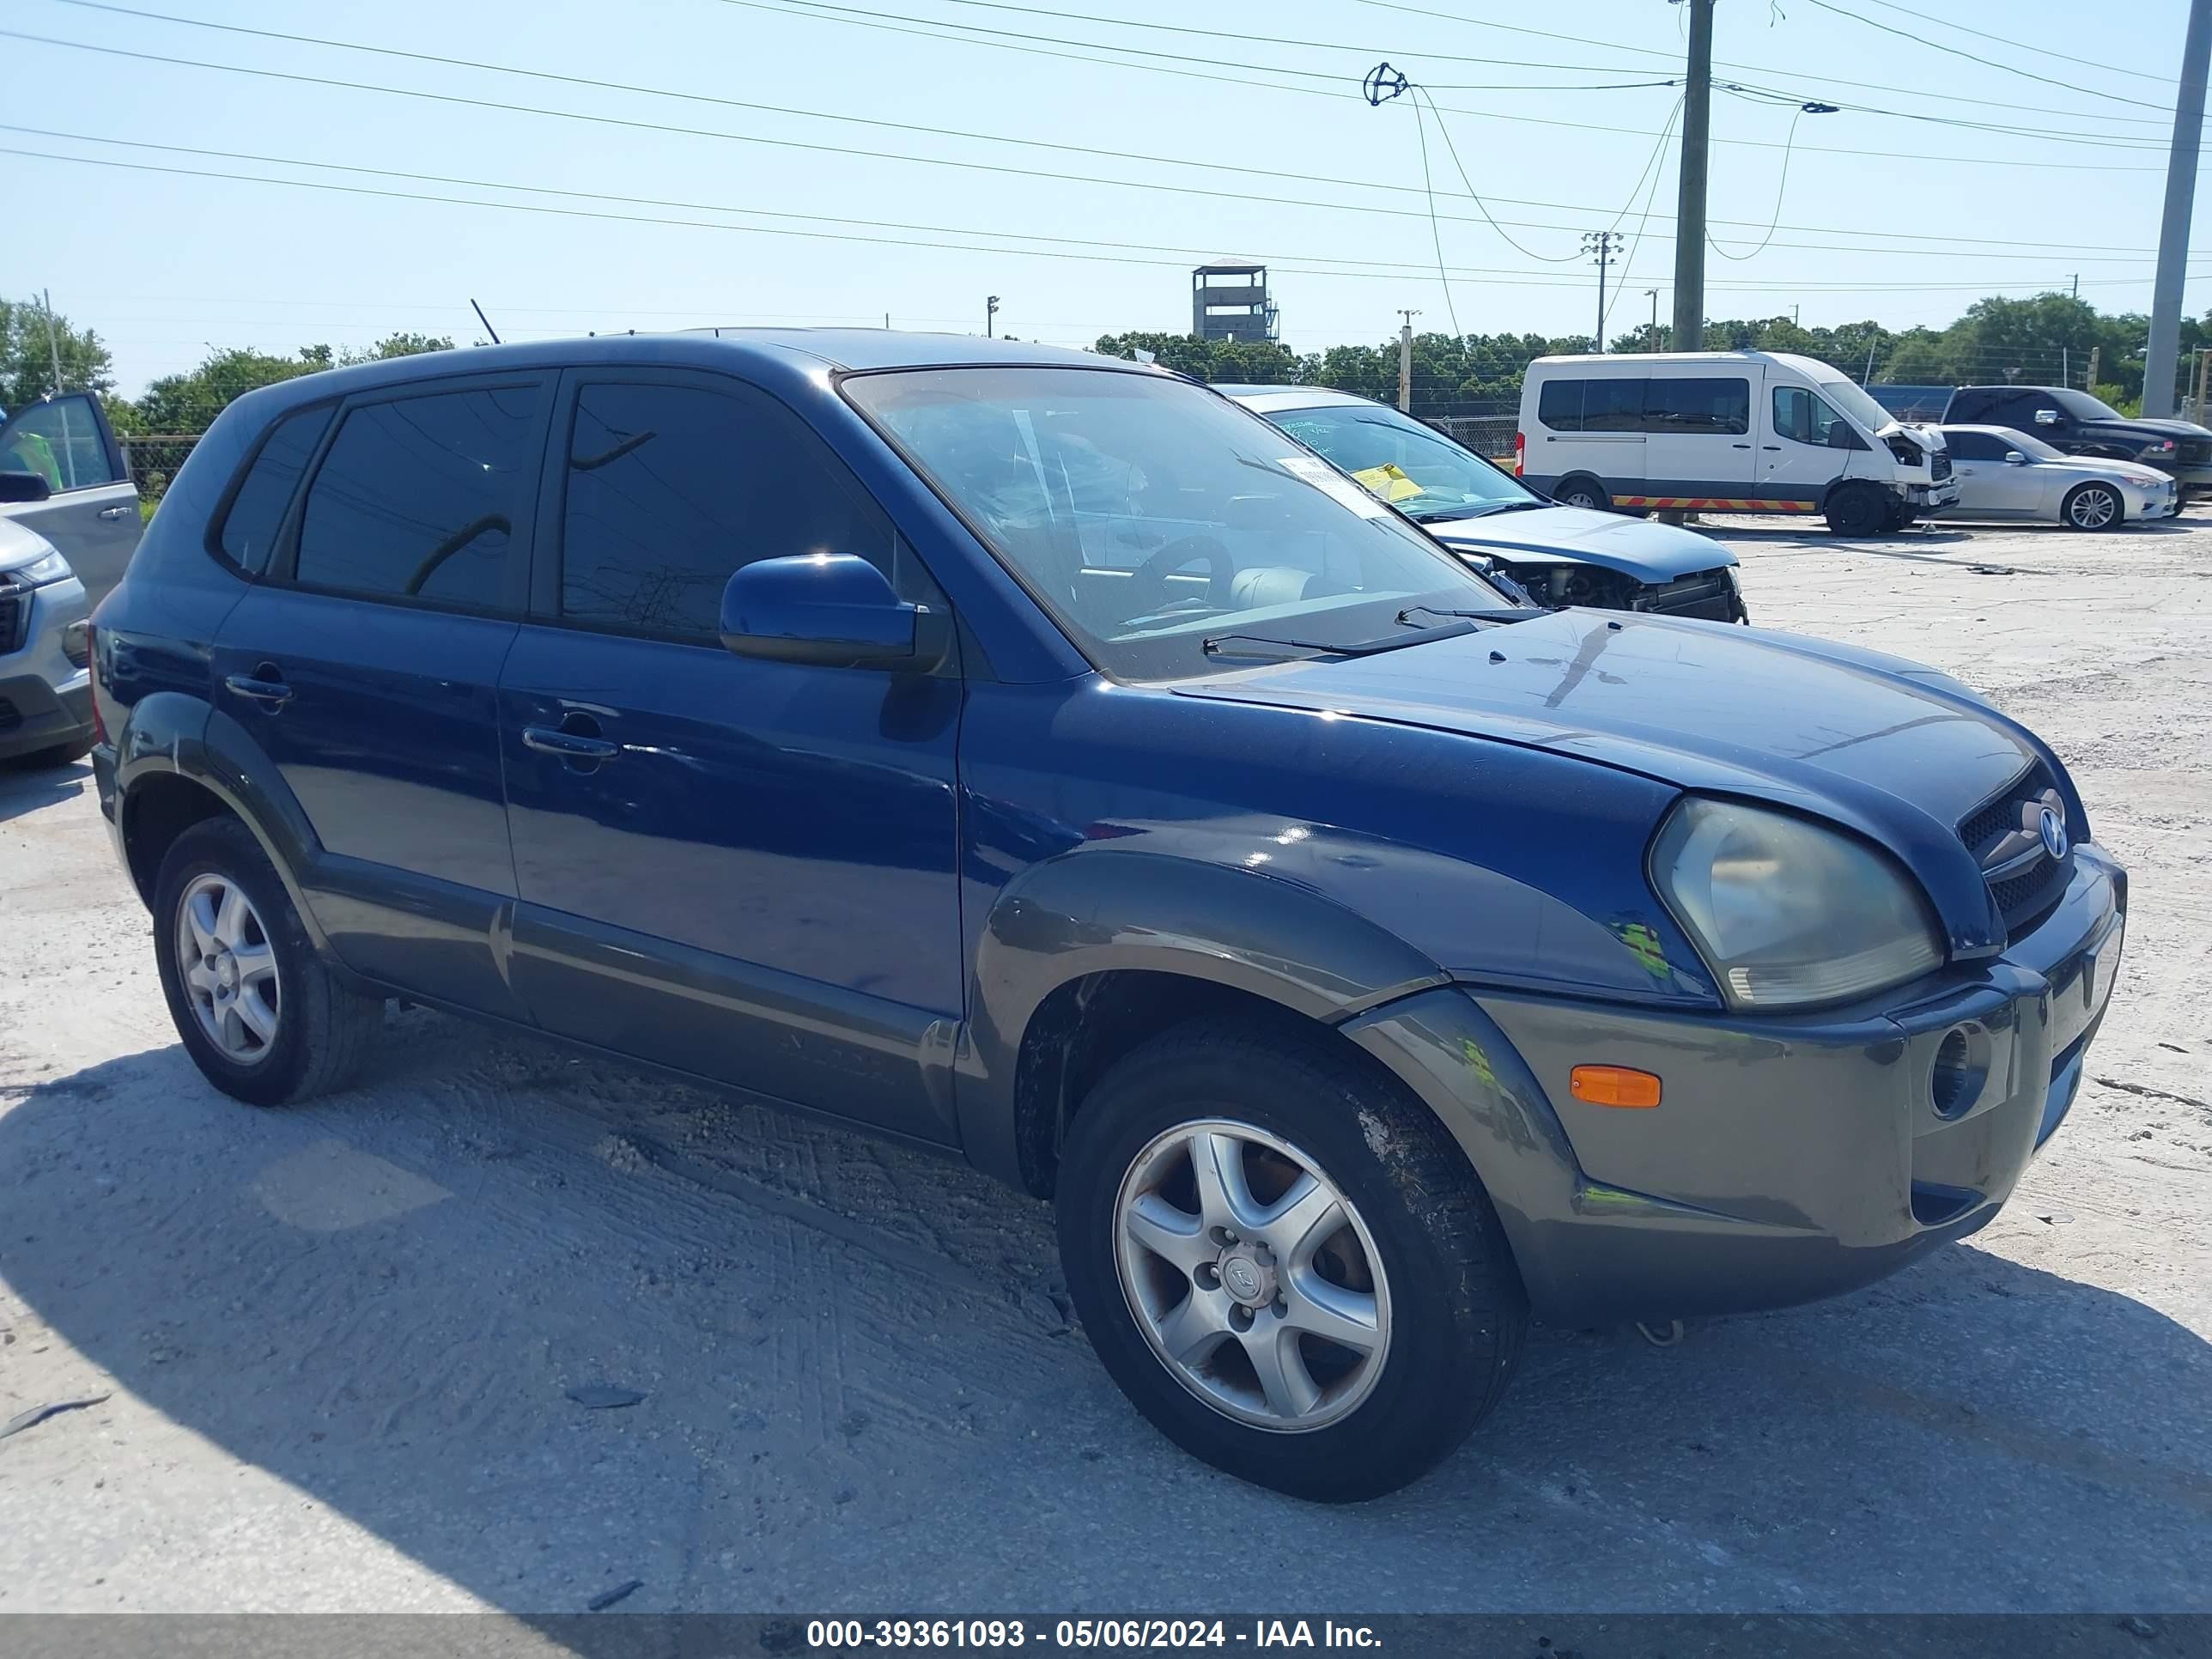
(485, 320)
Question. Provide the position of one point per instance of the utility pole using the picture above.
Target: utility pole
(53, 344)
(1405, 361)
(1690, 210)
(1601, 245)
(1651, 340)
(2077, 293)
(2096, 361)
(2173, 231)
(991, 318)
(2203, 362)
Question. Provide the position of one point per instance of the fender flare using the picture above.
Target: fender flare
(1099, 908)
(178, 733)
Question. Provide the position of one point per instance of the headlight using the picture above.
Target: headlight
(1785, 912)
(50, 567)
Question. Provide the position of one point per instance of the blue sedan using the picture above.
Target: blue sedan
(1558, 556)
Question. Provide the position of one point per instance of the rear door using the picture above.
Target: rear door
(745, 869)
(366, 666)
(1589, 423)
(1697, 438)
(92, 514)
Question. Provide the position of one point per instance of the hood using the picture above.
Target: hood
(1647, 552)
(2179, 431)
(2090, 467)
(20, 544)
(1832, 731)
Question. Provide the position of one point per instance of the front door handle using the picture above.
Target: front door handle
(262, 687)
(569, 745)
(1776, 448)
(1739, 445)
(111, 513)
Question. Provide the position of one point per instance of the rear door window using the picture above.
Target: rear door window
(1603, 405)
(1699, 404)
(1559, 406)
(256, 514)
(419, 496)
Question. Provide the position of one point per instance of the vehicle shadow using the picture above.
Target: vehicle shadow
(25, 788)
(858, 1389)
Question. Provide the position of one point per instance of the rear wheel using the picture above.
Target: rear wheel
(1580, 489)
(262, 1017)
(2091, 507)
(1858, 509)
(1288, 1268)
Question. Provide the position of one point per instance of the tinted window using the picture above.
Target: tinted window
(60, 441)
(256, 511)
(418, 497)
(671, 488)
(1699, 405)
(1806, 418)
(1971, 405)
(1594, 405)
(1973, 445)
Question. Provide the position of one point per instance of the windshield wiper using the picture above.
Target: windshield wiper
(1471, 510)
(1405, 616)
(1224, 645)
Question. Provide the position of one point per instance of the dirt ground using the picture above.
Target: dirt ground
(338, 1345)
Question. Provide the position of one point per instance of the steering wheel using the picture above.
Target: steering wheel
(1148, 582)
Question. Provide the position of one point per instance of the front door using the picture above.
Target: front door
(745, 869)
(92, 514)
(1990, 487)
(366, 666)
(1807, 447)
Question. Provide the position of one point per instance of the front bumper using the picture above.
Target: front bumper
(36, 713)
(1791, 1157)
(1931, 498)
(2150, 501)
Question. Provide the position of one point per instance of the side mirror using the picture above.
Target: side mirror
(2014, 457)
(2046, 417)
(832, 609)
(18, 487)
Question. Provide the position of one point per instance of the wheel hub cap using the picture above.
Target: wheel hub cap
(1247, 1276)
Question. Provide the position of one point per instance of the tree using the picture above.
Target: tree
(190, 402)
(27, 356)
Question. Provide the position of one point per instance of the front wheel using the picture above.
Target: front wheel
(1858, 510)
(2091, 507)
(1288, 1267)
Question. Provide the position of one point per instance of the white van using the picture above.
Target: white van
(1725, 431)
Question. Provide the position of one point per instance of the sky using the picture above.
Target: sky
(981, 128)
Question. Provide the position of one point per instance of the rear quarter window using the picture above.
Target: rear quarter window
(256, 514)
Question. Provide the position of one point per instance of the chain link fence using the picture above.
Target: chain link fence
(152, 459)
(1485, 434)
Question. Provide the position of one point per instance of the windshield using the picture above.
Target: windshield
(1415, 468)
(1154, 519)
(1856, 405)
(2031, 446)
(2082, 407)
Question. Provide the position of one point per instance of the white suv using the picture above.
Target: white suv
(45, 681)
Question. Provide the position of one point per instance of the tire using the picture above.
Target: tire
(1580, 489)
(1858, 509)
(317, 1031)
(2092, 505)
(1447, 1300)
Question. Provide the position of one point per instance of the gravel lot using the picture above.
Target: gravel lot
(339, 1343)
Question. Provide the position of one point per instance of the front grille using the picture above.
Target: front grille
(15, 615)
(1939, 465)
(2005, 838)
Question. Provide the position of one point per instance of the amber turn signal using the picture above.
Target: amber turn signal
(1613, 1085)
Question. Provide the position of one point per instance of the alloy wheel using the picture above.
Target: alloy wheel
(1251, 1275)
(228, 967)
(2093, 509)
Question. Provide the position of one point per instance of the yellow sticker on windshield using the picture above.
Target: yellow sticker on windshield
(1386, 482)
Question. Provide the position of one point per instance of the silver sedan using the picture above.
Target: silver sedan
(2004, 473)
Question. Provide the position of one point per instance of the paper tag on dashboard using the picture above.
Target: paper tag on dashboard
(1324, 478)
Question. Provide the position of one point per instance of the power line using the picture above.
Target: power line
(1974, 57)
(1119, 253)
(2073, 58)
(891, 125)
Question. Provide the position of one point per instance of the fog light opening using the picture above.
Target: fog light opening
(1961, 1070)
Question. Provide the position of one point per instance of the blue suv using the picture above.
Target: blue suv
(1044, 761)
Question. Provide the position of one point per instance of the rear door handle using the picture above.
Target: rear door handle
(1739, 445)
(261, 690)
(111, 512)
(569, 745)
(1776, 448)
